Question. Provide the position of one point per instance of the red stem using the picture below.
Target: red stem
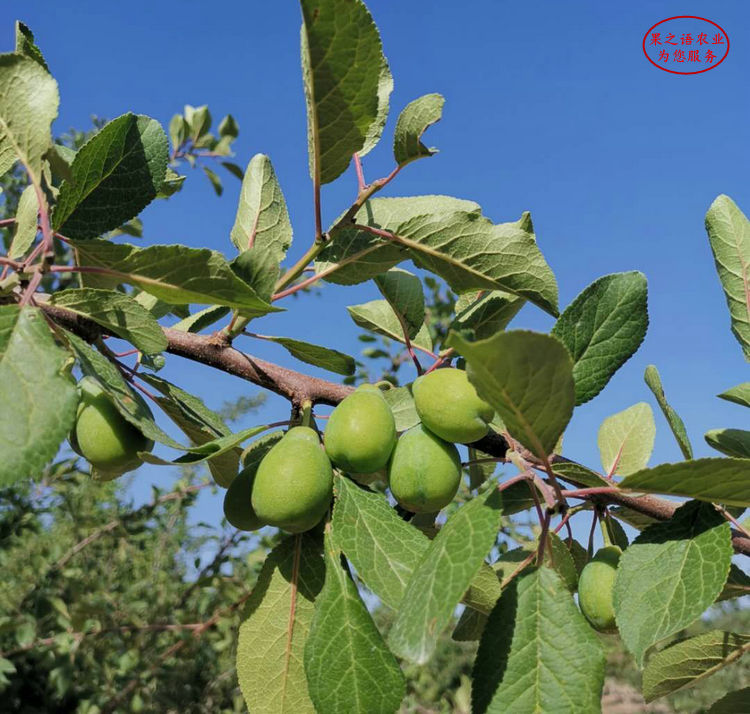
(361, 185)
(583, 492)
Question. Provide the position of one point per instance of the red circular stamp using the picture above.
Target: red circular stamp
(686, 44)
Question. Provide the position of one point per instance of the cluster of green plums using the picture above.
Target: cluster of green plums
(292, 485)
(103, 436)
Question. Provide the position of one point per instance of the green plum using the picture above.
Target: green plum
(361, 433)
(424, 472)
(595, 588)
(103, 436)
(294, 483)
(449, 406)
(238, 507)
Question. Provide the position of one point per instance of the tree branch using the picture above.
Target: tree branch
(660, 509)
(216, 351)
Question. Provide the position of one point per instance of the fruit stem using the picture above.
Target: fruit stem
(307, 412)
(605, 527)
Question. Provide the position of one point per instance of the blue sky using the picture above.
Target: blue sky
(550, 107)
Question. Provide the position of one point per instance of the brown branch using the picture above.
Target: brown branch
(216, 351)
(658, 508)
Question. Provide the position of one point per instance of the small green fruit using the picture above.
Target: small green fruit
(449, 406)
(424, 472)
(238, 507)
(102, 435)
(361, 433)
(595, 588)
(294, 483)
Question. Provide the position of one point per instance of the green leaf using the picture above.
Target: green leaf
(729, 235)
(687, 661)
(175, 274)
(470, 626)
(198, 119)
(348, 666)
(208, 450)
(233, 169)
(445, 571)
(214, 179)
(739, 394)
(199, 423)
(484, 590)
(578, 474)
(126, 400)
(323, 357)
(602, 328)
(385, 87)
(271, 644)
(485, 314)
(537, 653)
(39, 398)
(633, 518)
(527, 378)
(403, 292)
(177, 130)
(172, 184)
(353, 256)
(60, 159)
(470, 253)
(717, 480)
(626, 440)
(670, 574)
(737, 585)
(378, 316)
(117, 313)
(402, 405)
(653, 380)
(228, 127)
(25, 44)
(116, 174)
(383, 548)
(133, 227)
(414, 120)
(261, 226)
(202, 319)
(28, 106)
(731, 703)
(342, 69)
(732, 442)
(26, 224)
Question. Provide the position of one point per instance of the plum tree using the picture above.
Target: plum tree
(361, 432)
(103, 436)
(71, 286)
(449, 406)
(294, 483)
(424, 471)
(595, 588)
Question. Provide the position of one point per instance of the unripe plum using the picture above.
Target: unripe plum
(361, 432)
(238, 507)
(449, 406)
(103, 436)
(595, 587)
(294, 483)
(424, 472)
